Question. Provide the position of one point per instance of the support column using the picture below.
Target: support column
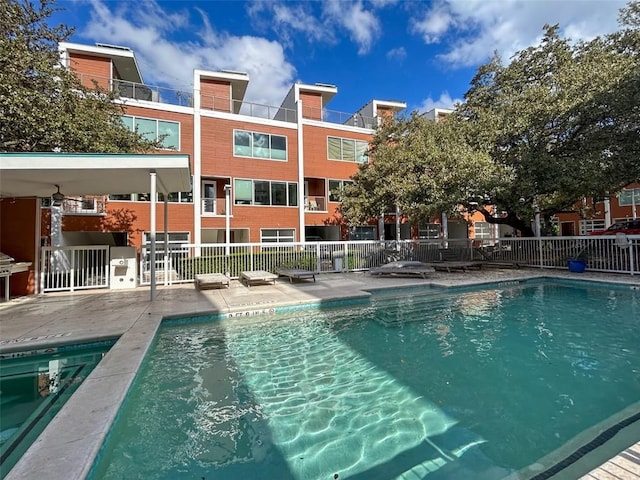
(152, 234)
(300, 169)
(167, 278)
(227, 219)
(197, 163)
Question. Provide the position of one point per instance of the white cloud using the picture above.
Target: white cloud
(321, 21)
(397, 54)
(435, 23)
(148, 30)
(287, 19)
(444, 101)
(362, 24)
(471, 30)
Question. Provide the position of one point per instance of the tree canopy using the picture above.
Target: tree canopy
(43, 106)
(561, 121)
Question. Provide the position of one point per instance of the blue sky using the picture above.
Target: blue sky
(423, 53)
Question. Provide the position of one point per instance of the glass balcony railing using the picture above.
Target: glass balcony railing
(184, 97)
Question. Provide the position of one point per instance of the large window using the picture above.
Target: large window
(277, 235)
(265, 192)
(335, 189)
(175, 239)
(629, 196)
(259, 145)
(173, 197)
(347, 150)
(587, 226)
(429, 231)
(165, 131)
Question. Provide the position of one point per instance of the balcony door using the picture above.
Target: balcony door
(209, 197)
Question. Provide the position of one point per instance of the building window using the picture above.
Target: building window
(429, 231)
(587, 226)
(277, 235)
(175, 239)
(173, 197)
(164, 131)
(259, 145)
(347, 149)
(629, 196)
(265, 192)
(335, 189)
(482, 230)
(367, 232)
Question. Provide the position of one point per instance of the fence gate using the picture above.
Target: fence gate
(74, 268)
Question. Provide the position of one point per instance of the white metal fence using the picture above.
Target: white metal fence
(74, 268)
(601, 253)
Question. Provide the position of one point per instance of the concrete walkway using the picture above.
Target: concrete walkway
(67, 447)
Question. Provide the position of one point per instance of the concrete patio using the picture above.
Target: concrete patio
(67, 447)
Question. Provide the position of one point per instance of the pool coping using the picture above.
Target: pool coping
(69, 445)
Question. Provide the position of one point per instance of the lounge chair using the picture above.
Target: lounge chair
(453, 260)
(296, 273)
(210, 280)
(258, 276)
(492, 258)
(403, 269)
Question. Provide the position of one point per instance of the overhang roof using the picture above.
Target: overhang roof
(37, 174)
(123, 58)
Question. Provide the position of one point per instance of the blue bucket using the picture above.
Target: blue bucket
(577, 266)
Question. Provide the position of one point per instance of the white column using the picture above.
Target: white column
(197, 162)
(607, 211)
(166, 239)
(152, 234)
(300, 170)
(398, 212)
(227, 218)
(445, 225)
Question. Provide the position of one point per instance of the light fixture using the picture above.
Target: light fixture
(57, 197)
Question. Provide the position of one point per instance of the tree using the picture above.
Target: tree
(562, 117)
(558, 123)
(419, 165)
(43, 106)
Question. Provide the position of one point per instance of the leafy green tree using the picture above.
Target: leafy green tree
(562, 117)
(419, 165)
(558, 123)
(43, 106)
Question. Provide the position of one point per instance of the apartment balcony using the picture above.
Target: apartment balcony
(315, 204)
(87, 205)
(213, 207)
(184, 98)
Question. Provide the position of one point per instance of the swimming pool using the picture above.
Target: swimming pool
(464, 383)
(33, 388)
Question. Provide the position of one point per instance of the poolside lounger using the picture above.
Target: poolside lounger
(403, 269)
(453, 259)
(296, 273)
(210, 280)
(452, 266)
(258, 276)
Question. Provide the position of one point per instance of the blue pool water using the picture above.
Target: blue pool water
(33, 388)
(475, 383)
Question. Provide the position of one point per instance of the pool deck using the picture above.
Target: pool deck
(66, 449)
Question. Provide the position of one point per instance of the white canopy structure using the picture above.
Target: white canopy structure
(43, 174)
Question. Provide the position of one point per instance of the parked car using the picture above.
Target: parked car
(630, 227)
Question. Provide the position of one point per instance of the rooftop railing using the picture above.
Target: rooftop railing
(184, 98)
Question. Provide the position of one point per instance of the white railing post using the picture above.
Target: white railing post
(72, 271)
(540, 253)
